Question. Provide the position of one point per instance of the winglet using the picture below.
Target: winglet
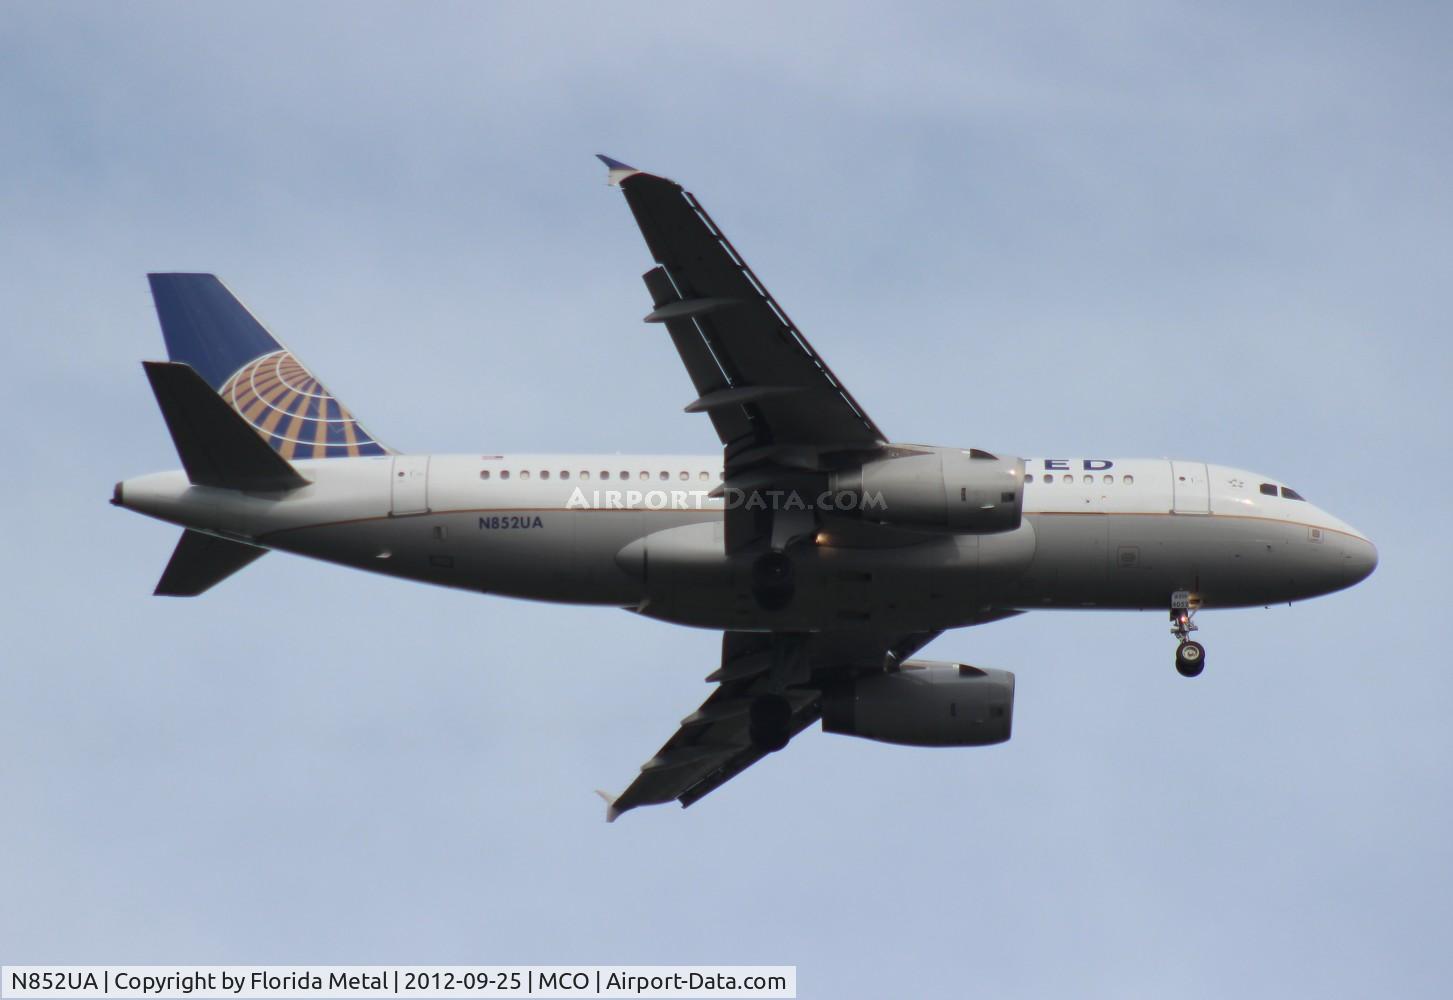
(618, 171)
(611, 812)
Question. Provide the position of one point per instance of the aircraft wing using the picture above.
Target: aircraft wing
(756, 376)
(714, 743)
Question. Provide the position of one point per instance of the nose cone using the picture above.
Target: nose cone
(1359, 559)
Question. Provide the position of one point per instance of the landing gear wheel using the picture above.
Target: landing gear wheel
(772, 581)
(771, 719)
(1190, 658)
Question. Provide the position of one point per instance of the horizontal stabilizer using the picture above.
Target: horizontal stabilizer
(200, 562)
(217, 446)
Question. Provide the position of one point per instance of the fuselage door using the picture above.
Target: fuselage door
(410, 485)
(1192, 486)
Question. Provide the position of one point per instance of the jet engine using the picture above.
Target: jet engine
(924, 703)
(944, 489)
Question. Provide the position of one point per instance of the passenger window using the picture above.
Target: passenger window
(1029, 477)
(644, 475)
(1089, 480)
(625, 475)
(584, 474)
(1109, 480)
(684, 476)
(704, 477)
(505, 474)
(1268, 490)
(545, 474)
(483, 473)
(564, 474)
(524, 473)
(1291, 494)
(1049, 477)
(1128, 480)
(604, 474)
(664, 476)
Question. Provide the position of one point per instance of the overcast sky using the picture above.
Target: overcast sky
(1212, 231)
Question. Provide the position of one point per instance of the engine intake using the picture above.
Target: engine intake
(925, 703)
(946, 489)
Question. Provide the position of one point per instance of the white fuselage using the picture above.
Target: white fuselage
(645, 532)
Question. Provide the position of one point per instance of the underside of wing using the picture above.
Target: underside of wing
(769, 689)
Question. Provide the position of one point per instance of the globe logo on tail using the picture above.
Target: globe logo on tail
(293, 412)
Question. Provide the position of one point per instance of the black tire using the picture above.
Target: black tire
(772, 581)
(1190, 658)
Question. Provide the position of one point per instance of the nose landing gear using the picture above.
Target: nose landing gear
(1190, 655)
(1190, 658)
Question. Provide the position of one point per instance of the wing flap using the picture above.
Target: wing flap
(707, 753)
(713, 780)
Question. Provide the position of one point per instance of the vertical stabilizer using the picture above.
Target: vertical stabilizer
(208, 329)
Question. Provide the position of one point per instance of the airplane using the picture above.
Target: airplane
(824, 552)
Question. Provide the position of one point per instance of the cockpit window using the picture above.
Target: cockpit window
(1291, 494)
(1268, 489)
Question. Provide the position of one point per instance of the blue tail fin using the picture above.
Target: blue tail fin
(207, 328)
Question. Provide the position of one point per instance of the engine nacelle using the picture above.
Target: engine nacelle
(945, 489)
(925, 703)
